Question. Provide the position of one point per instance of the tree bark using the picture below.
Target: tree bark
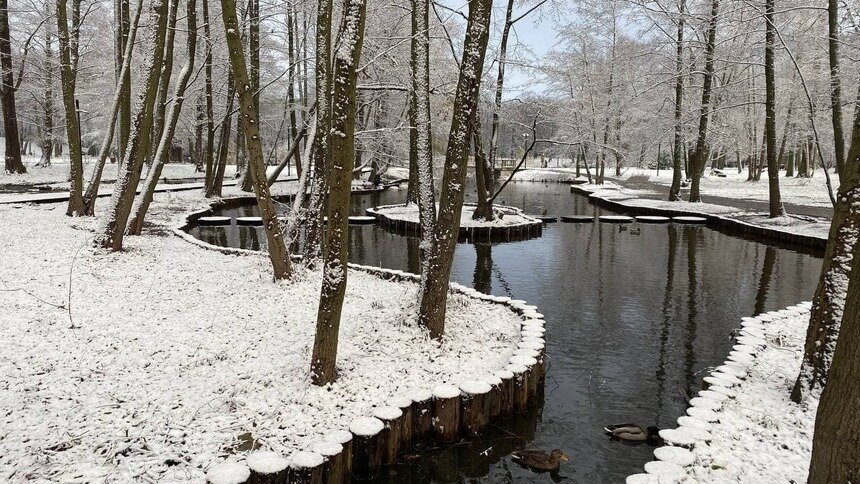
(424, 134)
(113, 230)
(500, 84)
(209, 112)
(342, 145)
(776, 207)
(256, 168)
(677, 157)
(214, 190)
(47, 143)
(836, 441)
(700, 156)
(835, 84)
(158, 119)
(123, 34)
(162, 152)
(484, 208)
(253, 81)
(73, 129)
(441, 254)
(91, 193)
(13, 163)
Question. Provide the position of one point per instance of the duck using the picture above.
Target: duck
(633, 433)
(538, 460)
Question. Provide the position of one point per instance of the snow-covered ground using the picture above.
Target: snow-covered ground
(150, 364)
(558, 175)
(746, 430)
(505, 216)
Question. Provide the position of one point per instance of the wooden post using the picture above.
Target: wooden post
(390, 417)
(520, 384)
(333, 466)
(368, 447)
(344, 438)
(506, 389)
(422, 414)
(532, 376)
(446, 412)
(495, 397)
(267, 467)
(306, 467)
(405, 406)
(475, 401)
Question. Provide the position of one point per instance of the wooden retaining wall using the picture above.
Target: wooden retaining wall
(510, 233)
(808, 244)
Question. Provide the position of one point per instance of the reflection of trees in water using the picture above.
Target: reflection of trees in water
(482, 280)
(692, 236)
(764, 281)
(668, 313)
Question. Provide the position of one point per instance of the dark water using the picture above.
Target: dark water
(635, 314)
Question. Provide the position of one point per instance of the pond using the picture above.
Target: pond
(635, 315)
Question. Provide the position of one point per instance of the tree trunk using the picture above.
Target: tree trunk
(836, 441)
(73, 133)
(254, 81)
(7, 96)
(214, 190)
(123, 34)
(139, 142)
(162, 152)
(209, 112)
(785, 131)
(776, 207)
(835, 84)
(291, 93)
(47, 143)
(342, 145)
(321, 152)
(675, 189)
(701, 153)
(500, 83)
(484, 208)
(91, 193)
(256, 168)
(158, 119)
(423, 134)
(447, 227)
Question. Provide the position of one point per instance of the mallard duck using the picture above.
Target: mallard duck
(633, 433)
(538, 460)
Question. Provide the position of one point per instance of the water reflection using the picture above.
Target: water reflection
(635, 314)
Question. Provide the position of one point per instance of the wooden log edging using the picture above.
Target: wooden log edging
(674, 460)
(727, 224)
(531, 229)
(403, 420)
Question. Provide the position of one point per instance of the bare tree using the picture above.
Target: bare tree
(677, 155)
(68, 71)
(13, 161)
(776, 207)
(700, 156)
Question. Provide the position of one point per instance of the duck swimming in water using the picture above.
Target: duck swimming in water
(633, 433)
(538, 460)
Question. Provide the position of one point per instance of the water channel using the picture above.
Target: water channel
(635, 314)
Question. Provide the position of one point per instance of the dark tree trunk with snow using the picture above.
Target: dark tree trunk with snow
(835, 84)
(73, 128)
(342, 145)
(158, 119)
(123, 34)
(321, 151)
(214, 189)
(246, 182)
(500, 84)
(165, 140)
(677, 156)
(423, 131)
(209, 111)
(112, 232)
(13, 162)
(47, 142)
(484, 207)
(256, 168)
(441, 254)
(700, 156)
(775, 201)
(836, 441)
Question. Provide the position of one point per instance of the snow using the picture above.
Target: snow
(115, 364)
(266, 462)
(445, 391)
(366, 426)
(306, 460)
(475, 387)
(758, 434)
(558, 175)
(511, 216)
(228, 473)
(327, 449)
(387, 413)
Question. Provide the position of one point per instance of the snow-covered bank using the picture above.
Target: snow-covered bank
(557, 175)
(505, 216)
(154, 363)
(744, 427)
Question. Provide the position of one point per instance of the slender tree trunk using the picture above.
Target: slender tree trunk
(835, 85)
(836, 441)
(412, 111)
(423, 134)
(209, 127)
(256, 168)
(113, 230)
(500, 83)
(92, 191)
(162, 152)
(73, 133)
(321, 151)
(785, 132)
(13, 165)
(447, 227)
(342, 145)
(123, 35)
(254, 81)
(677, 160)
(158, 119)
(214, 189)
(776, 207)
(484, 209)
(701, 153)
(291, 93)
(47, 143)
